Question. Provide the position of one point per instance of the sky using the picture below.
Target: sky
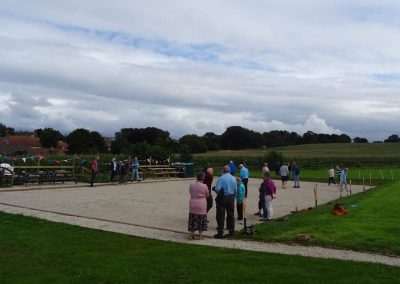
(191, 67)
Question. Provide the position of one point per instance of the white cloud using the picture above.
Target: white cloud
(201, 66)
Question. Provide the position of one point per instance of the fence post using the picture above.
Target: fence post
(383, 178)
(370, 180)
(316, 194)
(363, 184)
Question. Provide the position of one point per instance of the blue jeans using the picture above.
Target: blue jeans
(135, 174)
(297, 180)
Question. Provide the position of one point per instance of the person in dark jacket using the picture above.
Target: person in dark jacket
(121, 171)
(113, 169)
(208, 179)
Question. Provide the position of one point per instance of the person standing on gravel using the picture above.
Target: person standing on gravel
(226, 191)
(240, 194)
(208, 179)
(244, 176)
(135, 169)
(343, 180)
(284, 174)
(198, 206)
(331, 175)
(270, 194)
(113, 169)
(95, 169)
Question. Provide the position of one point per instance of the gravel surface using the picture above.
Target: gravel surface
(159, 210)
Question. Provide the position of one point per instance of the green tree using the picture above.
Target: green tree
(394, 138)
(150, 135)
(196, 143)
(49, 137)
(83, 141)
(212, 141)
(360, 140)
(237, 137)
(3, 130)
(185, 154)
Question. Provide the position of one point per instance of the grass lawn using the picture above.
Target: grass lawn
(356, 175)
(371, 225)
(318, 150)
(37, 251)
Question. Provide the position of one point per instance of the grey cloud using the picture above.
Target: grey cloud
(278, 64)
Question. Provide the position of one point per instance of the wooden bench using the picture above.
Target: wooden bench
(63, 176)
(46, 176)
(161, 171)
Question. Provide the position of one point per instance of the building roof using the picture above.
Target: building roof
(13, 144)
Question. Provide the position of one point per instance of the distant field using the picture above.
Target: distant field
(318, 151)
(311, 156)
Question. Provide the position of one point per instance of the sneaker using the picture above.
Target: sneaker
(263, 219)
(257, 214)
(218, 236)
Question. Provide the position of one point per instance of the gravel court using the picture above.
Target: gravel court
(158, 210)
(162, 204)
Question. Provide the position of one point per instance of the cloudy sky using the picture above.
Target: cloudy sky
(199, 66)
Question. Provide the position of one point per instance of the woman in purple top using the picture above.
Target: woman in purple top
(270, 194)
(198, 206)
(208, 179)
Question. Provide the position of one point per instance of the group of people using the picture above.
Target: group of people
(229, 188)
(341, 175)
(120, 169)
(287, 171)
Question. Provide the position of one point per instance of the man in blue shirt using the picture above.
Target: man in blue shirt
(226, 184)
(135, 169)
(232, 168)
(244, 176)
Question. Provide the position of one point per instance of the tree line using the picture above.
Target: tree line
(155, 142)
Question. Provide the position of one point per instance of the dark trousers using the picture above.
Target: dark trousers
(239, 208)
(261, 205)
(122, 178)
(226, 204)
(93, 178)
(209, 202)
(245, 181)
(113, 173)
(331, 180)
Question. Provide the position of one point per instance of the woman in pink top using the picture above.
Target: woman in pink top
(198, 206)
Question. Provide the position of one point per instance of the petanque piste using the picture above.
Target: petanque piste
(161, 204)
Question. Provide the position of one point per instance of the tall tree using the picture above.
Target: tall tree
(151, 135)
(49, 137)
(212, 141)
(83, 141)
(3, 130)
(394, 138)
(360, 140)
(196, 143)
(237, 137)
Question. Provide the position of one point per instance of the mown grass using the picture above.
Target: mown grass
(37, 251)
(372, 223)
(318, 150)
(369, 176)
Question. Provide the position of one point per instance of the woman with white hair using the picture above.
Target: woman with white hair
(198, 206)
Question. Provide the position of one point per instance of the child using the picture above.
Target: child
(239, 197)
